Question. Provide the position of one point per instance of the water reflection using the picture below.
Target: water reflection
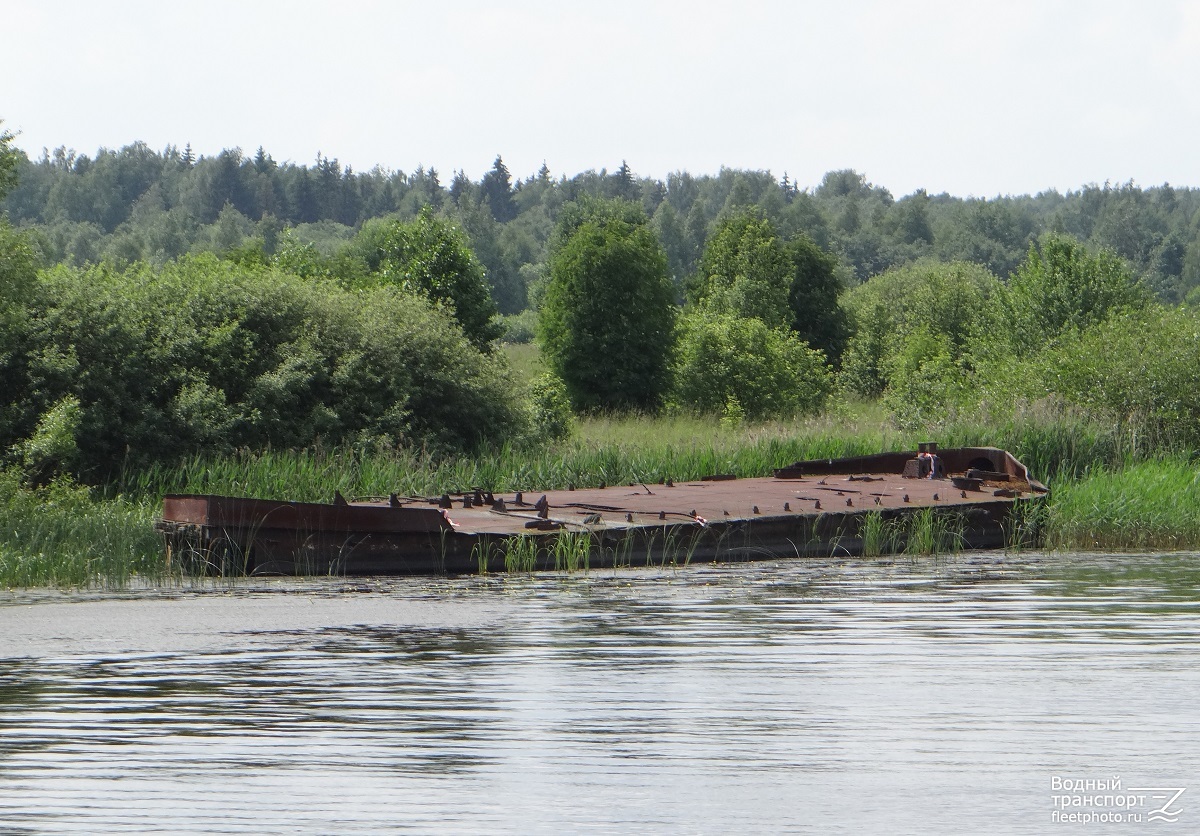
(864, 696)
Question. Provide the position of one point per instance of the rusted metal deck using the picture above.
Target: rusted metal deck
(822, 507)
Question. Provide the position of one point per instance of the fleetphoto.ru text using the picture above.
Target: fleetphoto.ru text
(1107, 800)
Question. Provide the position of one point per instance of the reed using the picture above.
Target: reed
(605, 450)
(481, 553)
(60, 537)
(929, 531)
(632, 449)
(1053, 442)
(933, 532)
(878, 535)
(572, 551)
(1143, 506)
(1111, 490)
(520, 554)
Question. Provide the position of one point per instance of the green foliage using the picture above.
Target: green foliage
(947, 301)
(1060, 287)
(497, 191)
(208, 355)
(741, 368)
(608, 315)
(135, 203)
(1140, 371)
(589, 208)
(493, 244)
(17, 277)
(748, 270)
(745, 271)
(550, 405)
(519, 329)
(1139, 506)
(814, 298)
(924, 379)
(9, 160)
(18, 269)
(992, 234)
(301, 258)
(53, 448)
(430, 256)
(929, 339)
(57, 535)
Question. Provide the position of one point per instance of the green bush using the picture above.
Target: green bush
(519, 328)
(607, 323)
(947, 300)
(430, 256)
(745, 271)
(1141, 370)
(53, 447)
(925, 380)
(18, 275)
(738, 367)
(550, 405)
(209, 355)
(1060, 287)
(749, 269)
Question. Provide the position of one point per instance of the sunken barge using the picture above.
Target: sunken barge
(962, 498)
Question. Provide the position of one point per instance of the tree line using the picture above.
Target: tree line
(383, 331)
(139, 204)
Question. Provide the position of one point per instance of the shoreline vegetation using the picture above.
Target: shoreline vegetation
(231, 325)
(1107, 494)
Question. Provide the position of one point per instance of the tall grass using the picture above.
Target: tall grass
(525, 360)
(1052, 443)
(606, 450)
(60, 537)
(1147, 505)
(1109, 491)
(929, 531)
(628, 449)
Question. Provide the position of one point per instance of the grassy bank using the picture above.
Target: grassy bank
(1147, 505)
(61, 536)
(606, 450)
(1107, 493)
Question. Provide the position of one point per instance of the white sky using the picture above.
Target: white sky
(972, 98)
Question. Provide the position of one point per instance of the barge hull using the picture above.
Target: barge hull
(820, 508)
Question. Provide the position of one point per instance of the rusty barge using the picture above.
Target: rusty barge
(969, 498)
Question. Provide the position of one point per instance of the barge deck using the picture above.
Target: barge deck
(869, 504)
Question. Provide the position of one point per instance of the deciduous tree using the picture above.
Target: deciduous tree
(1060, 287)
(430, 256)
(749, 270)
(608, 314)
(736, 366)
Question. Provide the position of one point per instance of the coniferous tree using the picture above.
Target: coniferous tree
(460, 185)
(623, 184)
(498, 191)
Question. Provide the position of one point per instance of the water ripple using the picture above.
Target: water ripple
(863, 696)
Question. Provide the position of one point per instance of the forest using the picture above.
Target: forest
(156, 307)
(138, 204)
(167, 301)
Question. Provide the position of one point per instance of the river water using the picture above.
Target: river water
(947, 695)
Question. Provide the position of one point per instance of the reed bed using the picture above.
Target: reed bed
(60, 537)
(1142, 506)
(625, 450)
(1109, 491)
(925, 532)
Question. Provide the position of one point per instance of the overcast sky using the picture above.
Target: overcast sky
(980, 98)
